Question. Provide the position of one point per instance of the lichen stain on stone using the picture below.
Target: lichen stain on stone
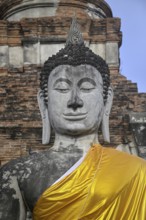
(17, 165)
(142, 128)
(13, 185)
(6, 174)
(17, 196)
(5, 185)
(29, 162)
(26, 175)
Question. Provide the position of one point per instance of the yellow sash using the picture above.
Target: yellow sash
(107, 185)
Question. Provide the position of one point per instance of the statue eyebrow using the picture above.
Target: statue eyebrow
(63, 80)
(86, 79)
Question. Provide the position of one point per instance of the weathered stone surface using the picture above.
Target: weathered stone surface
(47, 50)
(17, 9)
(16, 57)
(112, 53)
(137, 118)
(32, 54)
(138, 127)
(98, 48)
(4, 54)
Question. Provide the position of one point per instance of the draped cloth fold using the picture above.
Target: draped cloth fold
(107, 185)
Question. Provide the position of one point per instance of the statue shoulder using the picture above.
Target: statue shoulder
(20, 166)
(122, 170)
(29, 173)
(123, 160)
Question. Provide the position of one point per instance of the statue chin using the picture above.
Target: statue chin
(75, 130)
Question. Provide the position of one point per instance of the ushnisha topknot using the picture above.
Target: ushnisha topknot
(75, 53)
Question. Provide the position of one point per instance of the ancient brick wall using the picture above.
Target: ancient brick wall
(126, 100)
(22, 46)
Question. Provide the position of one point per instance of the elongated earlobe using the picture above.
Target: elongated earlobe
(46, 129)
(105, 119)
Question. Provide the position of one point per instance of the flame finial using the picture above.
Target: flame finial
(74, 36)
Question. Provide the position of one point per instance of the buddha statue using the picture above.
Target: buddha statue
(76, 178)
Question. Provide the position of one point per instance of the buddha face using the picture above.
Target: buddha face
(75, 100)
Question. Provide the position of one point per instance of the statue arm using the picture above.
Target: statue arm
(11, 201)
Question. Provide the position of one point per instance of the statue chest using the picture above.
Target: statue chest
(45, 171)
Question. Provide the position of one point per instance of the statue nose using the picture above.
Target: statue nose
(75, 102)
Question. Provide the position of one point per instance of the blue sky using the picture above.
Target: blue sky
(133, 49)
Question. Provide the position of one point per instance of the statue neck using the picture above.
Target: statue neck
(83, 143)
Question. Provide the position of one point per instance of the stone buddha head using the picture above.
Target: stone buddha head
(75, 95)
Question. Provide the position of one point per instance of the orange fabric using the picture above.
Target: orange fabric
(107, 185)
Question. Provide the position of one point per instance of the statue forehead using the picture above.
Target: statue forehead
(72, 72)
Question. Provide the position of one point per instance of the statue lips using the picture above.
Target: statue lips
(76, 116)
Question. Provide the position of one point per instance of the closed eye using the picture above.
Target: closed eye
(87, 86)
(62, 85)
(62, 88)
